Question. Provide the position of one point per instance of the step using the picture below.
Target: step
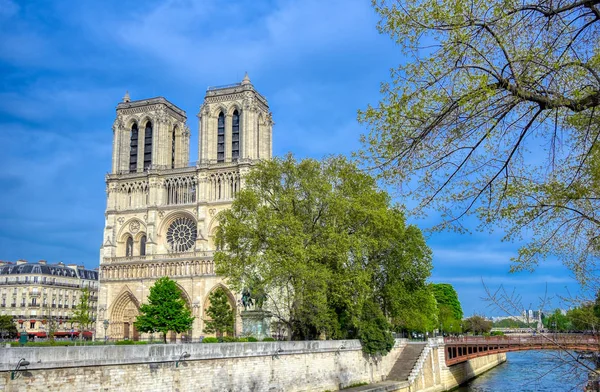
(406, 362)
(383, 386)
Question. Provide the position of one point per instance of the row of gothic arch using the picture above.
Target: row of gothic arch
(158, 269)
(126, 307)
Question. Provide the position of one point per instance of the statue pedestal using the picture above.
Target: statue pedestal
(256, 323)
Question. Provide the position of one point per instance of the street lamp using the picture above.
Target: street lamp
(105, 323)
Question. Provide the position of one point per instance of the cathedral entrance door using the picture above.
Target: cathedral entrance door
(125, 331)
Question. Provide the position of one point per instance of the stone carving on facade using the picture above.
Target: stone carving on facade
(212, 211)
(134, 226)
(121, 220)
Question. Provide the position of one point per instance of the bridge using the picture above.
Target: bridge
(461, 349)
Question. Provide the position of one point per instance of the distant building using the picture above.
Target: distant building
(41, 296)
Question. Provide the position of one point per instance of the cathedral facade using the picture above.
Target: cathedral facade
(161, 211)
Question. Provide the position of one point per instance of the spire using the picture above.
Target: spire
(126, 97)
(246, 79)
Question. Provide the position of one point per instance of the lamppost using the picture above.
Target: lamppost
(105, 323)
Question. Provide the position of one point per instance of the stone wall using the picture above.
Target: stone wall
(265, 366)
(432, 375)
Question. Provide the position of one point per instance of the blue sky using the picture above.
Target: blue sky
(64, 66)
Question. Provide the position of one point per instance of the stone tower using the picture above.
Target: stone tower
(161, 211)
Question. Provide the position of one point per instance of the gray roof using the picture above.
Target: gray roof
(48, 269)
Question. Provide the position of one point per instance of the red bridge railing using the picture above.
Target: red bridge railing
(461, 349)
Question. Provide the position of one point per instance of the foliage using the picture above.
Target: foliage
(449, 309)
(557, 322)
(252, 339)
(373, 333)
(513, 323)
(321, 239)
(497, 333)
(227, 339)
(82, 315)
(220, 313)
(583, 318)
(417, 311)
(242, 340)
(8, 329)
(476, 325)
(445, 295)
(495, 112)
(165, 311)
(210, 340)
(268, 339)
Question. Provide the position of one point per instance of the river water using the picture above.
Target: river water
(529, 371)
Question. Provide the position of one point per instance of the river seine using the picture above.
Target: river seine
(529, 371)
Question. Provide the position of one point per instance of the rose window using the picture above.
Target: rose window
(181, 235)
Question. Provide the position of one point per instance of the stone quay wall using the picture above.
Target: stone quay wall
(431, 374)
(260, 366)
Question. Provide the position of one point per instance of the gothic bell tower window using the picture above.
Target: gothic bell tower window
(143, 246)
(235, 136)
(173, 148)
(181, 234)
(148, 146)
(221, 138)
(133, 151)
(129, 247)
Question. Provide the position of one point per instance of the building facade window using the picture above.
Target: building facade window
(221, 138)
(235, 136)
(173, 148)
(133, 151)
(143, 246)
(148, 146)
(129, 247)
(32, 325)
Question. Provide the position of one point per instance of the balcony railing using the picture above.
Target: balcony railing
(11, 283)
(167, 256)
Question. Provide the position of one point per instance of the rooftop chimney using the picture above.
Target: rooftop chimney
(42, 262)
(20, 261)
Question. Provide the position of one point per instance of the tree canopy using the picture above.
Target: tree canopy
(220, 313)
(326, 245)
(165, 311)
(82, 315)
(496, 112)
(8, 329)
(449, 309)
(476, 325)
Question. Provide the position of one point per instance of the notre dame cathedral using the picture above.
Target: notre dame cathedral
(161, 211)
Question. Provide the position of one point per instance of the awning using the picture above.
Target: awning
(38, 334)
(66, 333)
(88, 333)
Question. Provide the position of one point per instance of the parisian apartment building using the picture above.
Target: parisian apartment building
(41, 297)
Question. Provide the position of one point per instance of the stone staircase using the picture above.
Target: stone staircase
(406, 362)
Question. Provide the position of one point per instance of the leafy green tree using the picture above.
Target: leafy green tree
(320, 239)
(373, 330)
(513, 323)
(165, 311)
(82, 314)
(8, 329)
(583, 318)
(445, 295)
(557, 322)
(417, 311)
(220, 313)
(495, 113)
(449, 309)
(476, 325)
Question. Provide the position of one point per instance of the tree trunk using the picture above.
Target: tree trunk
(164, 337)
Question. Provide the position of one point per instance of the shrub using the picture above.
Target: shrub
(268, 339)
(228, 339)
(252, 339)
(210, 340)
(124, 342)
